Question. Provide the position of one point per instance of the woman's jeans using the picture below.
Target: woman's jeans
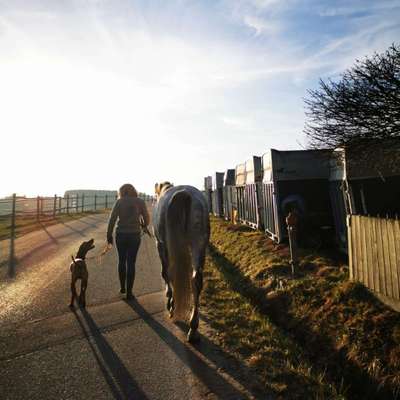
(127, 246)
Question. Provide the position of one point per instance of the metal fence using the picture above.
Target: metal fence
(374, 253)
(17, 213)
(41, 207)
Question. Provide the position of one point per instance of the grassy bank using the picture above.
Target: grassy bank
(316, 335)
(26, 224)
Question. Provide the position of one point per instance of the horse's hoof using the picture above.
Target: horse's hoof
(193, 336)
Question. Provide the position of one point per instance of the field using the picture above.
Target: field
(313, 336)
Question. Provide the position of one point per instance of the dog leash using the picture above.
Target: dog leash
(99, 257)
(108, 247)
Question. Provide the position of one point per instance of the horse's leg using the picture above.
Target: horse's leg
(164, 273)
(198, 259)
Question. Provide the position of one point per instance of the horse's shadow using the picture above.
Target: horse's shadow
(203, 359)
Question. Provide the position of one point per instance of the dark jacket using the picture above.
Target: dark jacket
(131, 213)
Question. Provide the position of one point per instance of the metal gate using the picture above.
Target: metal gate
(271, 226)
(252, 204)
(228, 202)
(241, 207)
(217, 202)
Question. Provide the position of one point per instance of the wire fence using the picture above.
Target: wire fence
(20, 215)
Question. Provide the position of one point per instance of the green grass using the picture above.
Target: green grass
(26, 224)
(314, 336)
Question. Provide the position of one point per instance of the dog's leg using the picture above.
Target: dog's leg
(82, 295)
(73, 293)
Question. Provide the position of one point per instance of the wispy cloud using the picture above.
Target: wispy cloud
(260, 25)
(265, 4)
(177, 75)
(363, 7)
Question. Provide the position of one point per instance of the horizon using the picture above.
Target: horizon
(96, 93)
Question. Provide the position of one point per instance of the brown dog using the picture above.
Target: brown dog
(79, 271)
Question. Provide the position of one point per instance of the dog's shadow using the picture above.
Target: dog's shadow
(118, 378)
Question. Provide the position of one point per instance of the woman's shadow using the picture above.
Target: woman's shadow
(204, 365)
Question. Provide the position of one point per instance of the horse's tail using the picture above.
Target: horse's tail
(180, 263)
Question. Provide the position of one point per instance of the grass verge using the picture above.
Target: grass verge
(314, 336)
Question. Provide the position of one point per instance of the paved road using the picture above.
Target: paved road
(114, 349)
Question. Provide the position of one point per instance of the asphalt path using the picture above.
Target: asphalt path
(113, 349)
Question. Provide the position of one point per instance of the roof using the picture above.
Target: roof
(229, 177)
(288, 165)
(240, 174)
(253, 170)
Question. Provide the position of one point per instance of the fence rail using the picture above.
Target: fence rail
(374, 253)
(41, 206)
(22, 212)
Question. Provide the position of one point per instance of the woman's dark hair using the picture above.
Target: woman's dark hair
(127, 190)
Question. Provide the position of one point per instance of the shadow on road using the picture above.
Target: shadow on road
(78, 231)
(216, 383)
(323, 353)
(52, 238)
(118, 378)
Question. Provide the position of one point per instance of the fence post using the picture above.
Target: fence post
(67, 203)
(77, 203)
(54, 206)
(11, 260)
(95, 201)
(41, 206)
(291, 223)
(59, 205)
(38, 208)
(83, 202)
(106, 205)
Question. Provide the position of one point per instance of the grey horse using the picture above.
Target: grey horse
(182, 230)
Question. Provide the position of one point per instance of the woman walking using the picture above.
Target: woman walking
(132, 215)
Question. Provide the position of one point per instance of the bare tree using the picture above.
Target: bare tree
(359, 111)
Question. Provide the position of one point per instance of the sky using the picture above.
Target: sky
(97, 93)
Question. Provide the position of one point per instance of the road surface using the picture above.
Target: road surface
(112, 350)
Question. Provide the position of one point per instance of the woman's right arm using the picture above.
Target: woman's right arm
(145, 213)
(111, 222)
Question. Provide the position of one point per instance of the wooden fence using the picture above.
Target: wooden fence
(374, 254)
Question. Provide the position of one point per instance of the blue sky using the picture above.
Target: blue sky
(96, 93)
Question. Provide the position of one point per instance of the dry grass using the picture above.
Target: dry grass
(313, 336)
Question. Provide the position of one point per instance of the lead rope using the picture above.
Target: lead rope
(99, 257)
(108, 246)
